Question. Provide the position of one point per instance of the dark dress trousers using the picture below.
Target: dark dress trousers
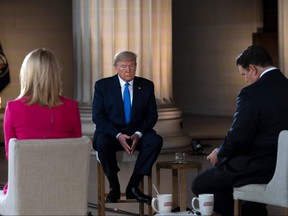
(109, 118)
(249, 150)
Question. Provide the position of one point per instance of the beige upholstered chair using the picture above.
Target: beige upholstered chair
(273, 193)
(122, 157)
(47, 177)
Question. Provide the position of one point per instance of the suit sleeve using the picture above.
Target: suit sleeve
(99, 115)
(243, 129)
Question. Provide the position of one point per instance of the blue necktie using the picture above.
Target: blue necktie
(127, 103)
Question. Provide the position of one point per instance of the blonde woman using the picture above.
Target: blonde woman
(40, 112)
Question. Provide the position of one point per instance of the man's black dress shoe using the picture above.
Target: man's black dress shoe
(135, 193)
(113, 195)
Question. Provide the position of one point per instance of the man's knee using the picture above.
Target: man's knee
(102, 142)
(159, 141)
(203, 182)
(152, 140)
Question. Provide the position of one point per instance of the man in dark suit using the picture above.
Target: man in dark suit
(122, 125)
(249, 150)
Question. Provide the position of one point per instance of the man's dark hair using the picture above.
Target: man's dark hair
(255, 55)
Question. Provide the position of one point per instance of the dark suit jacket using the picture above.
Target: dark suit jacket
(108, 110)
(249, 150)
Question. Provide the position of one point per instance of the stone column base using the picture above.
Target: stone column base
(169, 126)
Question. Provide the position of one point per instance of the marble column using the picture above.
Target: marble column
(283, 35)
(104, 27)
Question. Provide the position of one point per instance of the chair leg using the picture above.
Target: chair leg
(150, 194)
(141, 205)
(237, 208)
(101, 190)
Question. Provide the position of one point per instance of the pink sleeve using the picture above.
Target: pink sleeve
(8, 128)
(5, 189)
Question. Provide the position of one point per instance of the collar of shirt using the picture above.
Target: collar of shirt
(267, 70)
(122, 82)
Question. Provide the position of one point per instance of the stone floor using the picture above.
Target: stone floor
(209, 130)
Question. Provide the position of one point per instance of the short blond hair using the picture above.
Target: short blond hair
(40, 78)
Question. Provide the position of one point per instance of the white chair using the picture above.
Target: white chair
(273, 193)
(47, 177)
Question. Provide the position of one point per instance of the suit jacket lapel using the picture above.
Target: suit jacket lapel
(118, 96)
(136, 96)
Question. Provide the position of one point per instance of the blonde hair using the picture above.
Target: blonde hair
(40, 78)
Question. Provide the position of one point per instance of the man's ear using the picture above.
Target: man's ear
(253, 69)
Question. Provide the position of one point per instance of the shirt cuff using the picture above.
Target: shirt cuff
(118, 135)
(139, 134)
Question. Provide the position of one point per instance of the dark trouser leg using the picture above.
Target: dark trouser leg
(114, 182)
(218, 183)
(135, 180)
(107, 145)
(149, 148)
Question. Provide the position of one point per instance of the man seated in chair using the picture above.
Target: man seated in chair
(125, 112)
(249, 151)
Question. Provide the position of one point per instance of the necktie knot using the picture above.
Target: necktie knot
(127, 103)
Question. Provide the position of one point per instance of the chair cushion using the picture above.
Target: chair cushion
(251, 192)
(257, 193)
(123, 157)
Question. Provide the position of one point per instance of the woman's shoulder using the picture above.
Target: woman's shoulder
(16, 102)
(68, 101)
